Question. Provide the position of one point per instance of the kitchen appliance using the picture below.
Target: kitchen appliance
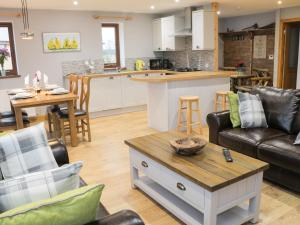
(139, 65)
(186, 69)
(159, 64)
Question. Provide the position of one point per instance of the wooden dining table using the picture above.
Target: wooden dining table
(43, 99)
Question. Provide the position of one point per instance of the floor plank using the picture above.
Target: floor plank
(106, 161)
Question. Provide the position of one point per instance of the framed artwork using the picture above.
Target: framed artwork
(260, 47)
(61, 42)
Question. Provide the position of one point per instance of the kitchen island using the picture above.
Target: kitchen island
(164, 93)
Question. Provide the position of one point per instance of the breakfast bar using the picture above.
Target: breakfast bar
(164, 93)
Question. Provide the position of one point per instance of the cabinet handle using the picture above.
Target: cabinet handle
(144, 164)
(181, 187)
(146, 75)
(111, 78)
(158, 48)
(129, 76)
(198, 46)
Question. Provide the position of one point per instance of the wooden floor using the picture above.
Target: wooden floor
(106, 161)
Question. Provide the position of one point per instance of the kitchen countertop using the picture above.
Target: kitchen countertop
(187, 76)
(126, 73)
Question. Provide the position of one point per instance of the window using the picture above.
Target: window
(7, 41)
(110, 45)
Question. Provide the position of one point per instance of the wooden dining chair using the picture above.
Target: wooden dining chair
(81, 114)
(73, 88)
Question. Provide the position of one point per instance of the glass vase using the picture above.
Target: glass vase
(3, 71)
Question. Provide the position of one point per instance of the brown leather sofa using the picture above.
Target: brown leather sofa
(274, 144)
(124, 217)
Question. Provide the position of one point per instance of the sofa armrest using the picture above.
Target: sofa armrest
(59, 151)
(124, 217)
(217, 122)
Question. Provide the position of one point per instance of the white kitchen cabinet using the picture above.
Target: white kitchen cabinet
(133, 93)
(203, 30)
(164, 30)
(106, 93)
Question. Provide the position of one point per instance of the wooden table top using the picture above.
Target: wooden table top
(43, 98)
(208, 169)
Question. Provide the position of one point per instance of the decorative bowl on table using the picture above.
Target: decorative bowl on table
(188, 146)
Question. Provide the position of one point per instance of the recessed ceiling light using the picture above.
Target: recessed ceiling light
(177, 0)
(279, 2)
(75, 2)
(152, 7)
(219, 12)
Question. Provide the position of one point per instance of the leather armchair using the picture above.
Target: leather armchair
(124, 217)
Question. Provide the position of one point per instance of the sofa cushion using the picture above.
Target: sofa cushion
(282, 152)
(246, 140)
(72, 208)
(280, 106)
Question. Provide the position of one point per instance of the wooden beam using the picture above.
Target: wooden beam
(10, 14)
(215, 9)
(113, 17)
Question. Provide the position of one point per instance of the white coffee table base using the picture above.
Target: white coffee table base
(232, 205)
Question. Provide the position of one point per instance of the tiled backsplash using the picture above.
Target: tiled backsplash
(202, 59)
(79, 66)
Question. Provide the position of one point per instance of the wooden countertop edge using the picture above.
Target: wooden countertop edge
(126, 73)
(185, 76)
(205, 186)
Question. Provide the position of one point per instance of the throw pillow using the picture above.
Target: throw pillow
(297, 141)
(37, 186)
(234, 109)
(74, 207)
(251, 111)
(25, 151)
(280, 106)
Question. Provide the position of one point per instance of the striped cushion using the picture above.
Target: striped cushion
(251, 111)
(37, 186)
(25, 151)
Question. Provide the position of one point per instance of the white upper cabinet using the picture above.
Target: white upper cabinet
(164, 30)
(203, 30)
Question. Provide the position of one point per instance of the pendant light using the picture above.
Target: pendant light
(26, 35)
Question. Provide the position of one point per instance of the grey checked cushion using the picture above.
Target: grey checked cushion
(37, 186)
(25, 151)
(251, 111)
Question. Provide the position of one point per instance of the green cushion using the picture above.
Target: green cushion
(234, 109)
(76, 207)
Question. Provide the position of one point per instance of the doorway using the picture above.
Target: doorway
(288, 61)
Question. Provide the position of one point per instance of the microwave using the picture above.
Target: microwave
(159, 64)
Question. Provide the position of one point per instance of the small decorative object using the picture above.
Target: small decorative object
(61, 42)
(90, 64)
(4, 54)
(188, 146)
(36, 81)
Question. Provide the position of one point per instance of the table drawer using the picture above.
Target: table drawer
(188, 191)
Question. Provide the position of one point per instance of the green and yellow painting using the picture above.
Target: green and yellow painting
(61, 42)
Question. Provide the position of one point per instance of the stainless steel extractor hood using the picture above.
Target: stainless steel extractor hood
(187, 30)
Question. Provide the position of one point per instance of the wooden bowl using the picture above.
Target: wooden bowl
(188, 146)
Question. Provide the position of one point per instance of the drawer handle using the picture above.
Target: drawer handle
(144, 164)
(111, 78)
(181, 187)
(146, 75)
(129, 76)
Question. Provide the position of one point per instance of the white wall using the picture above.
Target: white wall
(30, 55)
(240, 22)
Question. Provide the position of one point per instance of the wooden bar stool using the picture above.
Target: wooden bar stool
(221, 102)
(186, 104)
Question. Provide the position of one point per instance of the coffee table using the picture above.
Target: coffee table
(202, 189)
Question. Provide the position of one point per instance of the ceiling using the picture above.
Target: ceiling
(227, 7)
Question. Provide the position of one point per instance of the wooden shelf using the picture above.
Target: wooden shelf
(248, 31)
